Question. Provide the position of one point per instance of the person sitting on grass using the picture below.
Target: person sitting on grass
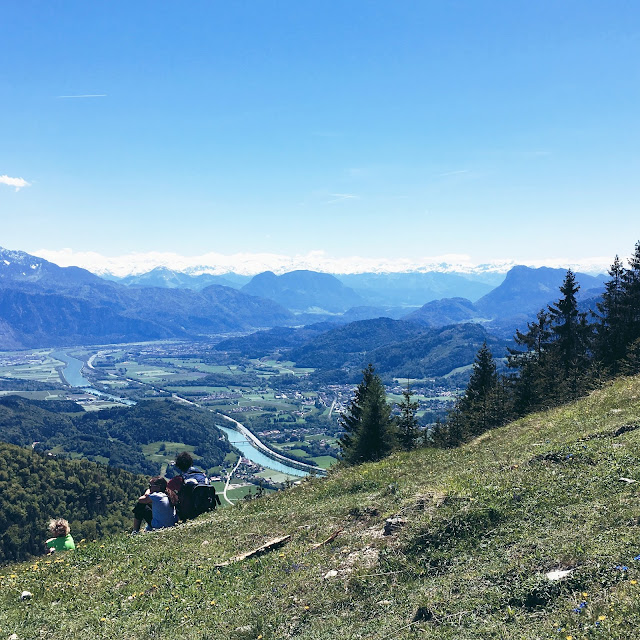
(156, 507)
(61, 540)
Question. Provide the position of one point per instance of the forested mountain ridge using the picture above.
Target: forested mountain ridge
(438, 313)
(115, 434)
(96, 499)
(396, 347)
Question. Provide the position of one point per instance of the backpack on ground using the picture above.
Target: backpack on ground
(196, 495)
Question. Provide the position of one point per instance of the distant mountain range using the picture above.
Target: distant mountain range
(304, 291)
(163, 277)
(42, 304)
(413, 289)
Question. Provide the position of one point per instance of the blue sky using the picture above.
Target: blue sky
(380, 130)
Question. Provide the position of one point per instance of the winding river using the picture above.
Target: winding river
(72, 374)
(242, 443)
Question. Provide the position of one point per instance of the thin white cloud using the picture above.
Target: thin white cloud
(453, 173)
(340, 197)
(18, 183)
(86, 95)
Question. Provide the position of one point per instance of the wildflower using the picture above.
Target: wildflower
(634, 582)
(584, 594)
(637, 558)
(621, 567)
(213, 603)
(602, 618)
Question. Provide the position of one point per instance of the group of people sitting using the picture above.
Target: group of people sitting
(166, 502)
(185, 496)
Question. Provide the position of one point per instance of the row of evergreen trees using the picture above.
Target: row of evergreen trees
(563, 354)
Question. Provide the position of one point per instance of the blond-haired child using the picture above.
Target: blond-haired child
(61, 540)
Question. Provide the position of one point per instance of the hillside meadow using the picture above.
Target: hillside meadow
(472, 533)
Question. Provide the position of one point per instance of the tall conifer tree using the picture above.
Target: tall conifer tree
(369, 433)
(534, 378)
(631, 299)
(408, 430)
(611, 329)
(572, 337)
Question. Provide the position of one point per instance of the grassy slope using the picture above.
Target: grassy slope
(483, 524)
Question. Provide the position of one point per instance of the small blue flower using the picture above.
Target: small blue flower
(621, 567)
(637, 558)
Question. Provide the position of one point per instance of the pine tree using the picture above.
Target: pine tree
(369, 433)
(572, 336)
(631, 298)
(478, 405)
(408, 430)
(351, 419)
(534, 377)
(478, 409)
(610, 329)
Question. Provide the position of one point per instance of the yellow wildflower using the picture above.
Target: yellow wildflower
(602, 618)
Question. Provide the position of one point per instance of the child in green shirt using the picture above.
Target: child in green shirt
(62, 540)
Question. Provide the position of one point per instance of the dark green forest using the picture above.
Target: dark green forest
(95, 499)
(114, 435)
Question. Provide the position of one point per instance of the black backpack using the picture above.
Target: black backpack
(196, 495)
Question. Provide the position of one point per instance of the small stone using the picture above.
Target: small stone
(558, 574)
(26, 595)
(391, 525)
(13, 636)
(384, 602)
(204, 543)
(330, 574)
